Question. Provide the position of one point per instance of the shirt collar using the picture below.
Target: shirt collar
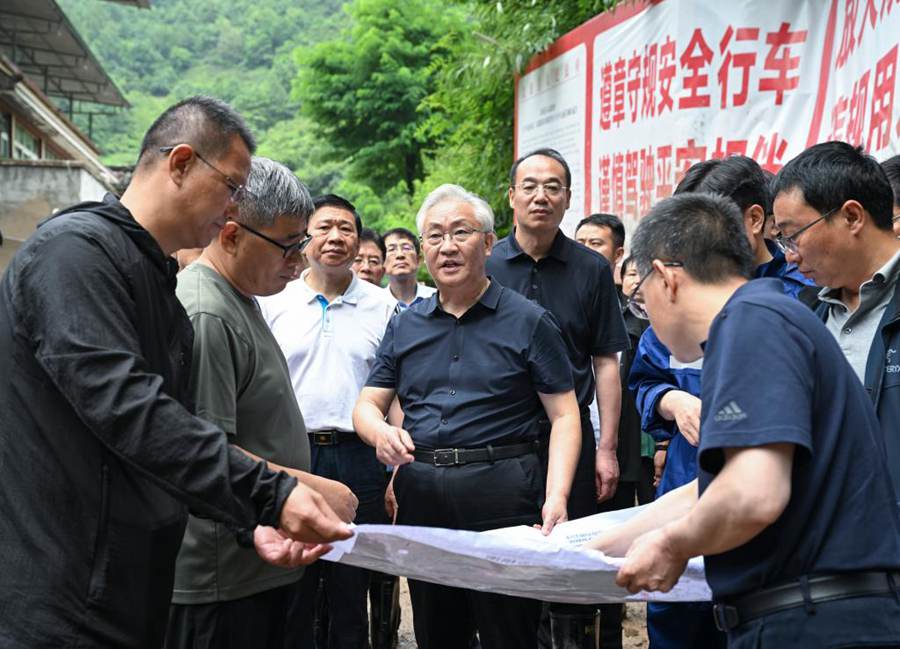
(349, 296)
(885, 276)
(559, 249)
(489, 299)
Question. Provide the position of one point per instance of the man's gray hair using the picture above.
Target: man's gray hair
(272, 191)
(447, 192)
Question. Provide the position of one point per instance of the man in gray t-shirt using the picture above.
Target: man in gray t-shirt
(225, 595)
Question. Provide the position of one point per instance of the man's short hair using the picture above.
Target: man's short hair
(705, 232)
(891, 168)
(738, 177)
(273, 191)
(206, 123)
(611, 221)
(831, 173)
(546, 152)
(368, 234)
(402, 233)
(447, 192)
(341, 203)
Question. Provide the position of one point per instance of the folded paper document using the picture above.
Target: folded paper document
(516, 561)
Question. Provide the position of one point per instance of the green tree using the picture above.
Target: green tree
(365, 88)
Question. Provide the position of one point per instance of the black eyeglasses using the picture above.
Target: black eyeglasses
(789, 244)
(238, 191)
(635, 300)
(286, 251)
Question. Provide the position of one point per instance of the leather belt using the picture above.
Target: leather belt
(818, 589)
(460, 456)
(331, 437)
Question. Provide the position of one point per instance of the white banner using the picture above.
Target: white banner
(674, 82)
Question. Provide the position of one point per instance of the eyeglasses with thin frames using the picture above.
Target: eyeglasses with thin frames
(238, 191)
(551, 189)
(635, 301)
(458, 235)
(286, 250)
(789, 244)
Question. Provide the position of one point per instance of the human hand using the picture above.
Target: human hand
(307, 517)
(394, 446)
(686, 409)
(606, 474)
(553, 512)
(651, 564)
(338, 496)
(390, 501)
(276, 548)
(659, 463)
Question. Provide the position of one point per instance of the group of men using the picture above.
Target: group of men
(176, 448)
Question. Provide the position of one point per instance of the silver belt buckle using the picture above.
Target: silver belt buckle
(446, 457)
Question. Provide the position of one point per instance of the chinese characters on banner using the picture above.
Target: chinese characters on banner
(674, 82)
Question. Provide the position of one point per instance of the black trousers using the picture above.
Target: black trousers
(262, 621)
(474, 497)
(353, 463)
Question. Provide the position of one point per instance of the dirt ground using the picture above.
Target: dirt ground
(634, 629)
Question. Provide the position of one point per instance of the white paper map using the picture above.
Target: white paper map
(513, 560)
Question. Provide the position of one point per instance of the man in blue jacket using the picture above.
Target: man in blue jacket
(833, 206)
(667, 391)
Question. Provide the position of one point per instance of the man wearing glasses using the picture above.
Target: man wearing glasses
(224, 595)
(329, 324)
(474, 367)
(575, 285)
(401, 264)
(792, 509)
(833, 207)
(100, 457)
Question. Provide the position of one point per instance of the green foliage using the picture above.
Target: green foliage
(365, 89)
(472, 108)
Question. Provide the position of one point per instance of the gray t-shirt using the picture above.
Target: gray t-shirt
(240, 382)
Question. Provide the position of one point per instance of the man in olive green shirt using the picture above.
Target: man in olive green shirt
(225, 595)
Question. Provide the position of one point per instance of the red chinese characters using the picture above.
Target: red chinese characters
(780, 42)
(742, 61)
(695, 59)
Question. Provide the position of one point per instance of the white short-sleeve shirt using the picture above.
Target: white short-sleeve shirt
(329, 348)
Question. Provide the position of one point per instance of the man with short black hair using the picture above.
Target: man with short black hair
(891, 168)
(329, 324)
(101, 459)
(225, 596)
(810, 555)
(603, 233)
(576, 285)
(833, 206)
(369, 262)
(402, 259)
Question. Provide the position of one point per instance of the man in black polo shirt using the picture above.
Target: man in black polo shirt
(793, 510)
(576, 285)
(474, 367)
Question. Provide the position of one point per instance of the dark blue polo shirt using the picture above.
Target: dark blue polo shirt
(576, 285)
(772, 373)
(472, 381)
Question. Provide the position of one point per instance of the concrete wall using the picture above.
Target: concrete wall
(30, 191)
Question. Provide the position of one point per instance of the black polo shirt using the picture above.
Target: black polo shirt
(472, 381)
(576, 285)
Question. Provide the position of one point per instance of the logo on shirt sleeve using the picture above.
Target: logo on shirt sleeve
(890, 366)
(731, 412)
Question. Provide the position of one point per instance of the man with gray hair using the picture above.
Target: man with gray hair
(225, 595)
(474, 367)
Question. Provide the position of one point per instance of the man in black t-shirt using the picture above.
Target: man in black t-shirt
(793, 510)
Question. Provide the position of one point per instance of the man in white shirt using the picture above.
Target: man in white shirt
(329, 324)
(401, 264)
